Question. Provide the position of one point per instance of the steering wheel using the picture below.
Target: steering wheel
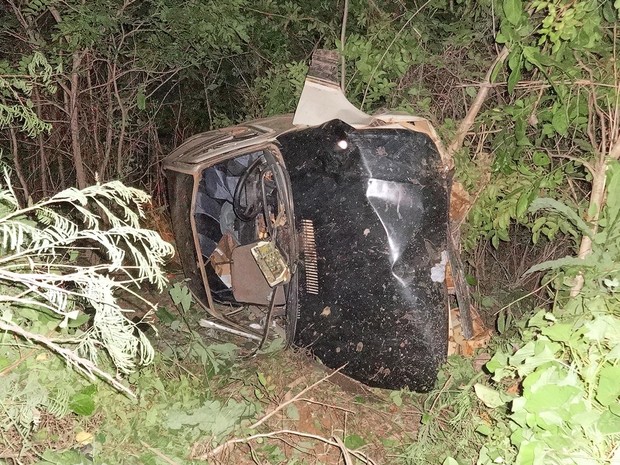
(249, 188)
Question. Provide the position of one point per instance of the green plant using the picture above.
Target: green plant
(213, 357)
(555, 130)
(567, 409)
(446, 429)
(32, 70)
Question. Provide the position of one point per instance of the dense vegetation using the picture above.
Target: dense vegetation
(526, 95)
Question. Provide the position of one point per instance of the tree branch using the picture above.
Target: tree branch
(469, 119)
(83, 365)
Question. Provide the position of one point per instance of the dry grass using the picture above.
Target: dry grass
(51, 433)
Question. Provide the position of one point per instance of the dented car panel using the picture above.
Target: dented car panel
(335, 229)
(379, 210)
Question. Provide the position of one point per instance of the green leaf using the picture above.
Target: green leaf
(164, 316)
(82, 404)
(490, 397)
(513, 10)
(549, 397)
(292, 412)
(544, 203)
(522, 204)
(560, 332)
(353, 441)
(79, 321)
(181, 296)
(608, 388)
(513, 79)
(541, 159)
(397, 398)
(503, 322)
(484, 429)
(471, 280)
(72, 456)
(499, 360)
(534, 354)
(609, 423)
(612, 207)
(450, 461)
(560, 121)
(602, 329)
(141, 98)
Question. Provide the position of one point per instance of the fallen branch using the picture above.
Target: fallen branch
(82, 365)
(347, 453)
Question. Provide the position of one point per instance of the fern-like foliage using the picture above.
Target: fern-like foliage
(44, 266)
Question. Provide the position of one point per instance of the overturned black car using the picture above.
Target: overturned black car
(331, 225)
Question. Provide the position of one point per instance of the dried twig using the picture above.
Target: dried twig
(334, 407)
(293, 399)
(345, 452)
(335, 442)
(159, 454)
(275, 434)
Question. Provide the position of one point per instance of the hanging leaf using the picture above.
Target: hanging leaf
(513, 10)
(513, 79)
(141, 98)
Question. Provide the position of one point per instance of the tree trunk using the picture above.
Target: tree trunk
(18, 165)
(42, 150)
(595, 206)
(80, 173)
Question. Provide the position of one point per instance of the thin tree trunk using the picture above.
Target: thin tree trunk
(94, 111)
(71, 96)
(596, 204)
(103, 166)
(121, 137)
(18, 165)
(42, 150)
(474, 109)
(80, 173)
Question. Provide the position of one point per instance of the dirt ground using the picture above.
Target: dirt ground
(313, 412)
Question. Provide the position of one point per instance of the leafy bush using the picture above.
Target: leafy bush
(560, 390)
